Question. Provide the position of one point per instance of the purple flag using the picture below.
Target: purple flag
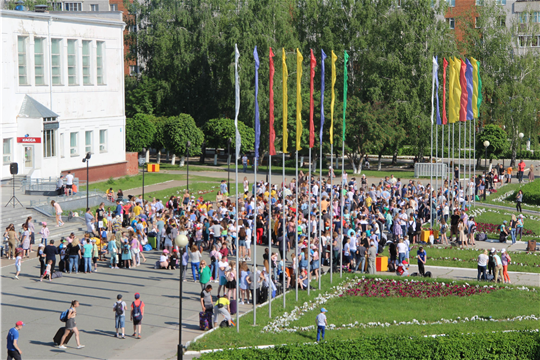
(439, 122)
(323, 57)
(257, 124)
(469, 77)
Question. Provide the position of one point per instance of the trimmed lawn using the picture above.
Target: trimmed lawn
(497, 216)
(131, 182)
(499, 304)
(208, 189)
(263, 169)
(498, 198)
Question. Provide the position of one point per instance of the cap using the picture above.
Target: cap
(503, 250)
(492, 249)
(504, 222)
(137, 295)
(165, 251)
(44, 223)
(41, 245)
(19, 323)
(324, 310)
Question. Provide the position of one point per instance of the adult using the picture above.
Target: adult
(505, 259)
(50, 252)
(204, 274)
(402, 251)
(223, 307)
(71, 326)
(521, 170)
(372, 256)
(60, 186)
(74, 252)
(482, 263)
(120, 309)
(531, 173)
(13, 239)
(31, 230)
(422, 258)
(100, 215)
(69, 183)
(207, 304)
(245, 162)
(498, 267)
(454, 220)
(195, 259)
(137, 313)
(13, 349)
(87, 256)
(519, 200)
(89, 220)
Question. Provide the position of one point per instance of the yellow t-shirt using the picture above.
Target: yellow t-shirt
(137, 210)
(224, 301)
(369, 201)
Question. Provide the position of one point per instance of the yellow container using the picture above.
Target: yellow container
(152, 167)
(425, 236)
(381, 263)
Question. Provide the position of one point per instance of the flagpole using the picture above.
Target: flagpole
(236, 153)
(270, 232)
(442, 160)
(309, 222)
(320, 219)
(331, 210)
(255, 278)
(436, 188)
(342, 205)
(236, 227)
(474, 160)
(285, 237)
(453, 163)
(470, 153)
(431, 179)
(296, 228)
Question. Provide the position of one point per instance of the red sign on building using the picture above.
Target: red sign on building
(29, 140)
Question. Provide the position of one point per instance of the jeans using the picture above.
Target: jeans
(87, 264)
(245, 167)
(519, 230)
(481, 271)
(513, 234)
(113, 259)
(320, 330)
(402, 256)
(119, 321)
(195, 270)
(362, 263)
(74, 260)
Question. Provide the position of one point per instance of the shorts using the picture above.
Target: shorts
(248, 245)
(230, 284)
(198, 243)
(241, 242)
(18, 268)
(94, 260)
(137, 322)
(69, 186)
(222, 281)
(119, 321)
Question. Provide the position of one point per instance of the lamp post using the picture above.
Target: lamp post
(143, 171)
(181, 241)
(229, 164)
(486, 144)
(520, 141)
(188, 144)
(86, 160)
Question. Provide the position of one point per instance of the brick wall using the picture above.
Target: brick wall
(463, 9)
(104, 172)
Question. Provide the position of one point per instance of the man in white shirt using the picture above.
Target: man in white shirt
(69, 183)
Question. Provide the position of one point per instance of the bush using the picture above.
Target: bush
(531, 193)
(512, 345)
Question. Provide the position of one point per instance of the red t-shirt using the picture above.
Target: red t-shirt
(136, 303)
(521, 166)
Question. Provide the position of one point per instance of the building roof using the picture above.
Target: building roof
(31, 108)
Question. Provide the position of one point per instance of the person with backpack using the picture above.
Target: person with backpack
(222, 306)
(68, 317)
(120, 309)
(137, 313)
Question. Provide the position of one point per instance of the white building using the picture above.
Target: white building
(62, 92)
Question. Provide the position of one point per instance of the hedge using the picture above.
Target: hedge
(510, 345)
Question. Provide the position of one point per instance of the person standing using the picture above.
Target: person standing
(505, 259)
(137, 313)
(71, 326)
(519, 200)
(50, 254)
(244, 162)
(44, 233)
(498, 267)
(89, 220)
(120, 309)
(531, 173)
(422, 257)
(18, 263)
(521, 170)
(207, 303)
(372, 256)
(69, 183)
(58, 212)
(321, 324)
(13, 350)
(87, 257)
(482, 263)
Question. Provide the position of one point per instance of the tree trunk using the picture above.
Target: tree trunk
(159, 157)
(513, 159)
(147, 156)
(394, 156)
(380, 160)
(478, 163)
(168, 156)
(173, 161)
(203, 153)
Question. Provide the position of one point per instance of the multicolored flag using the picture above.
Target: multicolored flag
(285, 100)
(312, 63)
(299, 127)
(332, 102)
(323, 57)
(257, 122)
(470, 89)
(345, 87)
(444, 118)
(271, 117)
(480, 98)
(464, 94)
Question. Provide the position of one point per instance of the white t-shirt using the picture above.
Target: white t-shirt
(69, 179)
(321, 319)
(482, 260)
(402, 248)
(222, 264)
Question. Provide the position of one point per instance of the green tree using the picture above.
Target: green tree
(140, 131)
(178, 131)
(497, 142)
(217, 131)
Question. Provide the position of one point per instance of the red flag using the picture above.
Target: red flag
(464, 93)
(444, 119)
(312, 63)
(272, 130)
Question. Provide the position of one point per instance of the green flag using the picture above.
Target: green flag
(345, 60)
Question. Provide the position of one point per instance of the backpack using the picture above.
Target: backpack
(137, 314)
(64, 315)
(119, 308)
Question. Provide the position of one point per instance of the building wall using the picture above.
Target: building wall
(129, 20)
(104, 172)
(80, 107)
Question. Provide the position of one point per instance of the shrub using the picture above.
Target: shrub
(110, 181)
(531, 193)
(511, 345)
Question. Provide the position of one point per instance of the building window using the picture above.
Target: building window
(49, 145)
(451, 23)
(56, 62)
(501, 2)
(39, 61)
(21, 50)
(99, 62)
(86, 63)
(56, 6)
(88, 142)
(61, 145)
(7, 151)
(132, 28)
(451, 3)
(523, 17)
(73, 6)
(479, 2)
(114, 7)
(73, 148)
(502, 21)
(133, 70)
(72, 62)
(524, 41)
(476, 23)
(94, 7)
(102, 141)
(535, 17)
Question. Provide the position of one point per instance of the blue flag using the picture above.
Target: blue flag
(323, 57)
(257, 124)
(469, 77)
(439, 122)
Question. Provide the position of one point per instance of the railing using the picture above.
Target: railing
(61, 199)
(425, 169)
(30, 184)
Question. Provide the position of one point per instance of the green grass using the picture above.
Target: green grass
(193, 166)
(438, 251)
(194, 188)
(497, 216)
(503, 190)
(499, 304)
(369, 173)
(131, 182)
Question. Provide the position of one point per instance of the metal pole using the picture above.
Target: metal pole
(442, 160)
(331, 211)
(459, 158)
(270, 231)
(320, 219)
(229, 166)
(474, 159)
(143, 185)
(87, 181)
(466, 177)
(454, 164)
(285, 237)
(309, 223)
(342, 206)
(436, 188)
(236, 212)
(179, 350)
(255, 278)
(188, 144)
(296, 229)
(470, 162)
(431, 179)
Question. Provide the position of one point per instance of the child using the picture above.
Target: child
(18, 262)
(47, 271)
(321, 324)
(44, 233)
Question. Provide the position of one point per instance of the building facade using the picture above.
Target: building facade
(63, 92)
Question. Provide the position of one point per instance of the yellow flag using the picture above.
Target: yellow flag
(299, 129)
(457, 87)
(285, 100)
(451, 101)
(474, 64)
(334, 58)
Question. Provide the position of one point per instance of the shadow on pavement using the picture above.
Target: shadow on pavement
(68, 293)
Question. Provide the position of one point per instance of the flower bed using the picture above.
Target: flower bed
(417, 289)
(494, 229)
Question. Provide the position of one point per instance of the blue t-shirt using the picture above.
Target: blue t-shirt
(87, 250)
(12, 336)
(422, 255)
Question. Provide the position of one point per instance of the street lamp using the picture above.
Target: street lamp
(486, 144)
(188, 144)
(143, 171)
(520, 140)
(86, 160)
(229, 164)
(181, 241)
